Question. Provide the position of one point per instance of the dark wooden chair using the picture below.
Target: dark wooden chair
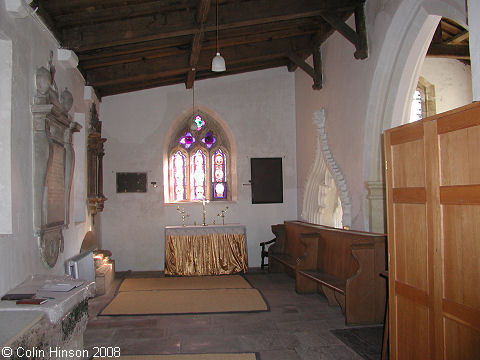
(264, 252)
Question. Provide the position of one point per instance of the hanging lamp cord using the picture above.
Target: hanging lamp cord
(217, 27)
(193, 101)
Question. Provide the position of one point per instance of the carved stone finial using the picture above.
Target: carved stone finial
(94, 121)
(42, 80)
(66, 100)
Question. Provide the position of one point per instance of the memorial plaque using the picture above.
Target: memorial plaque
(131, 182)
(55, 185)
(53, 164)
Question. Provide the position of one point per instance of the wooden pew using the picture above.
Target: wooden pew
(283, 255)
(345, 266)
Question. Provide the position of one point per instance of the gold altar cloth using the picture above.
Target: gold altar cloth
(205, 250)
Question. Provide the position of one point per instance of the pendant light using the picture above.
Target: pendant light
(218, 62)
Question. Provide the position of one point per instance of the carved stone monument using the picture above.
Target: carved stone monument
(53, 163)
(95, 154)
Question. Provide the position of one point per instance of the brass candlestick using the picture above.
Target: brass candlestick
(183, 213)
(222, 214)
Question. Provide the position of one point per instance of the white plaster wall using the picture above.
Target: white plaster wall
(5, 140)
(19, 254)
(258, 107)
(343, 97)
(360, 96)
(452, 80)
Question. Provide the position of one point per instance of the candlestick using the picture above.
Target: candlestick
(183, 213)
(222, 214)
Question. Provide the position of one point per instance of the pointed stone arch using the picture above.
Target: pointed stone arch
(396, 73)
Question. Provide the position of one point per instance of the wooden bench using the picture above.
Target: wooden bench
(283, 255)
(345, 266)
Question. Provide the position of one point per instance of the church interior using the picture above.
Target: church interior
(239, 179)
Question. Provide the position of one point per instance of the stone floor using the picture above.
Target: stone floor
(296, 327)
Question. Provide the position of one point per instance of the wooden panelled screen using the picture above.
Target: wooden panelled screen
(433, 205)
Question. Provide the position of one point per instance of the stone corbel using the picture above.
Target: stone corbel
(18, 8)
(67, 58)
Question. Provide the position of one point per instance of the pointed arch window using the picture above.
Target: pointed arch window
(198, 168)
(199, 162)
(177, 176)
(219, 176)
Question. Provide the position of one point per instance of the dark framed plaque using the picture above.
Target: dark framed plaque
(128, 182)
(267, 180)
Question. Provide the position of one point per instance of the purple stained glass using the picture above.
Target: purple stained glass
(209, 139)
(187, 140)
(219, 177)
(177, 176)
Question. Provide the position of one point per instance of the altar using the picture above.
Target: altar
(205, 250)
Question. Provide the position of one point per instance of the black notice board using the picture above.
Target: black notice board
(131, 182)
(267, 180)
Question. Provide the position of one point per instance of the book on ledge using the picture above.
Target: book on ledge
(61, 286)
(17, 296)
(36, 301)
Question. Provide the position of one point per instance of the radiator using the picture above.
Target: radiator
(81, 266)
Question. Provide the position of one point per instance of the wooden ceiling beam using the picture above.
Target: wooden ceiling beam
(206, 46)
(74, 13)
(357, 37)
(314, 72)
(205, 74)
(230, 37)
(166, 66)
(459, 52)
(146, 83)
(135, 50)
(232, 15)
(202, 14)
(457, 39)
(259, 64)
(324, 32)
(161, 74)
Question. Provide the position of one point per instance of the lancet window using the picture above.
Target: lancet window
(199, 163)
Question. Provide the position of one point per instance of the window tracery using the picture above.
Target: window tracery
(199, 163)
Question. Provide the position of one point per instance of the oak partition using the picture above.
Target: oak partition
(433, 205)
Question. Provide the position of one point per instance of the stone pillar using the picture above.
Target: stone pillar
(474, 29)
(376, 206)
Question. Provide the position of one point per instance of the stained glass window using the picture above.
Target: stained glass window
(209, 139)
(197, 175)
(199, 161)
(219, 176)
(199, 122)
(177, 176)
(187, 140)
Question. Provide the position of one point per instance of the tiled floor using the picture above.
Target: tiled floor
(296, 327)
